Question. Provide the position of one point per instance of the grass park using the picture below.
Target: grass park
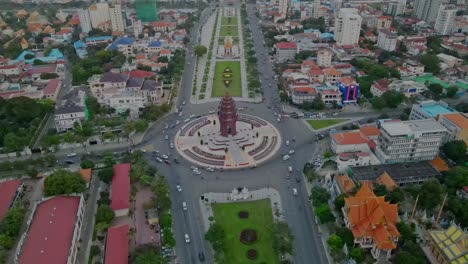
(235, 88)
(322, 123)
(229, 21)
(228, 31)
(260, 219)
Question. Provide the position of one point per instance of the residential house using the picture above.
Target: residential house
(71, 111)
(379, 87)
(355, 141)
(330, 96)
(352, 159)
(331, 75)
(386, 181)
(285, 51)
(386, 40)
(372, 221)
(384, 22)
(300, 95)
(342, 184)
(324, 57)
(414, 68)
(430, 109)
(408, 88)
(449, 60)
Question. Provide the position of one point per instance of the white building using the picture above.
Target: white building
(324, 57)
(283, 7)
(407, 141)
(408, 88)
(99, 14)
(85, 20)
(427, 9)
(316, 9)
(71, 111)
(396, 8)
(117, 21)
(445, 19)
(347, 26)
(387, 40)
(430, 109)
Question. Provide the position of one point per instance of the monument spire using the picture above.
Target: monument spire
(227, 114)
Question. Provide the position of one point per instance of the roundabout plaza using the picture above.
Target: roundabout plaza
(227, 140)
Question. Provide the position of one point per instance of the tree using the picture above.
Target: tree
(200, 50)
(436, 89)
(319, 196)
(104, 214)
(346, 235)
(63, 182)
(283, 238)
(392, 98)
(455, 150)
(324, 214)
(10, 226)
(357, 254)
(335, 242)
(431, 63)
(378, 103)
(451, 91)
(456, 178)
(430, 194)
(109, 160)
(87, 164)
(217, 237)
(339, 202)
(147, 255)
(48, 75)
(163, 59)
(106, 175)
(407, 232)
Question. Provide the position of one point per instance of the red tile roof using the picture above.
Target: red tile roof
(347, 81)
(86, 174)
(370, 131)
(139, 73)
(286, 45)
(52, 86)
(308, 90)
(350, 138)
(120, 191)
(117, 245)
(51, 231)
(7, 194)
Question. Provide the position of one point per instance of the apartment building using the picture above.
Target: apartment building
(324, 57)
(445, 19)
(387, 40)
(85, 20)
(430, 109)
(406, 141)
(99, 15)
(384, 22)
(347, 26)
(456, 125)
(427, 9)
(117, 20)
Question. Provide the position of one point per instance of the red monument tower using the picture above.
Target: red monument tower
(227, 113)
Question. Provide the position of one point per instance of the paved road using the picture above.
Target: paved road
(297, 212)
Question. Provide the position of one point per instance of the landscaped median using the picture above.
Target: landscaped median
(323, 123)
(222, 75)
(243, 232)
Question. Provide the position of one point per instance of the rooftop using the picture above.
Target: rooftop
(399, 171)
(7, 194)
(51, 231)
(435, 108)
(349, 138)
(453, 243)
(286, 45)
(345, 183)
(411, 127)
(120, 188)
(117, 245)
(99, 38)
(458, 119)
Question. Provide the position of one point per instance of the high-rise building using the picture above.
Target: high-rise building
(396, 8)
(427, 9)
(283, 7)
(384, 22)
(387, 40)
(99, 14)
(347, 26)
(117, 21)
(85, 20)
(316, 8)
(406, 141)
(445, 19)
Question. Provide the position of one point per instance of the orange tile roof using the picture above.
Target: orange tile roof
(347, 81)
(350, 138)
(86, 174)
(140, 57)
(370, 131)
(345, 183)
(459, 119)
(439, 164)
(332, 71)
(311, 64)
(371, 217)
(386, 181)
(164, 52)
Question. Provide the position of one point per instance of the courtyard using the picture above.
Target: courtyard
(235, 87)
(229, 21)
(259, 218)
(323, 123)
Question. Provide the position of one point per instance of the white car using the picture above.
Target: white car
(187, 239)
(166, 137)
(286, 157)
(179, 189)
(71, 155)
(180, 114)
(159, 160)
(193, 168)
(187, 120)
(143, 150)
(164, 157)
(183, 102)
(294, 191)
(171, 146)
(291, 152)
(192, 116)
(177, 122)
(184, 206)
(196, 172)
(211, 112)
(210, 169)
(287, 142)
(290, 169)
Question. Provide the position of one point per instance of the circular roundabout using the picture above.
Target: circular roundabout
(227, 140)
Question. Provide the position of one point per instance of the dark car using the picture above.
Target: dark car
(298, 179)
(167, 162)
(176, 160)
(68, 162)
(201, 256)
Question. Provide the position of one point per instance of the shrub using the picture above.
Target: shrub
(252, 254)
(243, 214)
(248, 236)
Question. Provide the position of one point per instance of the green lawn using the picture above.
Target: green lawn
(322, 123)
(228, 31)
(260, 218)
(226, 21)
(235, 88)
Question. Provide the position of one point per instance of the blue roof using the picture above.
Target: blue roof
(155, 44)
(310, 30)
(98, 38)
(436, 109)
(121, 41)
(54, 55)
(79, 44)
(326, 35)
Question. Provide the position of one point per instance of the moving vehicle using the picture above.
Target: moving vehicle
(164, 157)
(179, 189)
(210, 169)
(183, 102)
(71, 155)
(294, 191)
(167, 162)
(291, 152)
(290, 169)
(159, 160)
(286, 157)
(184, 206)
(201, 256)
(166, 137)
(187, 239)
(287, 142)
(196, 172)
